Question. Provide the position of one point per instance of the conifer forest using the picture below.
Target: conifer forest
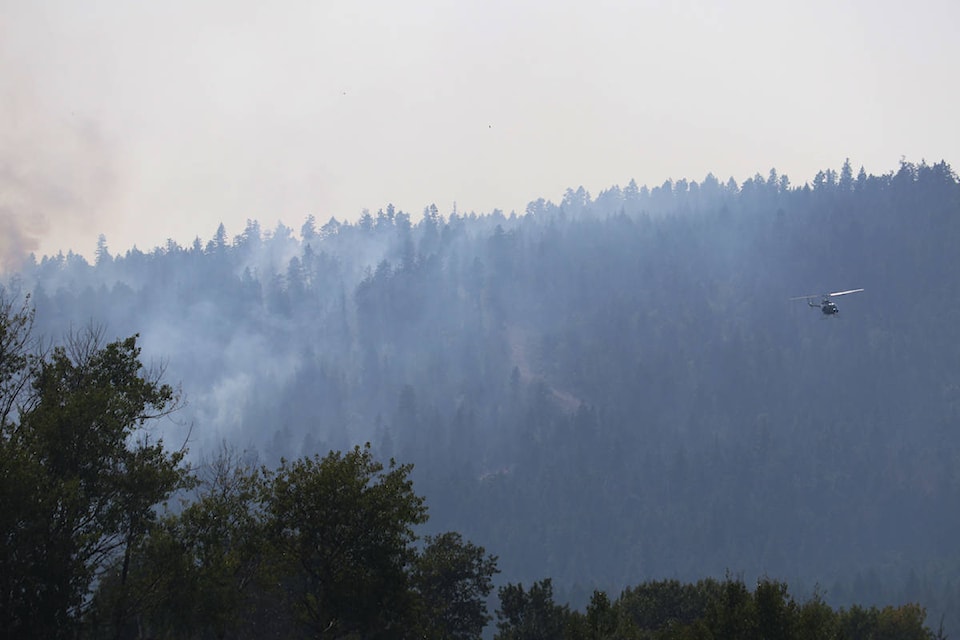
(603, 417)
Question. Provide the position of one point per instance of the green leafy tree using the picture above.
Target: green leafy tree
(816, 619)
(80, 473)
(226, 542)
(890, 623)
(20, 473)
(732, 612)
(657, 604)
(344, 523)
(453, 579)
(204, 569)
(17, 360)
(530, 615)
(776, 610)
(327, 542)
(599, 622)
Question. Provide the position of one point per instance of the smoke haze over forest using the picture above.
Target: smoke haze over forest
(602, 390)
(545, 252)
(146, 122)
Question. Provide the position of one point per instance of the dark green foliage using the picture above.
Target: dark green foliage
(200, 571)
(732, 613)
(452, 579)
(80, 473)
(530, 615)
(668, 610)
(888, 623)
(601, 618)
(657, 605)
(607, 387)
(344, 524)
(319, 548)
(17, 359)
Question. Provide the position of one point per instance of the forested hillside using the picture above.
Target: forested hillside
(602, 391)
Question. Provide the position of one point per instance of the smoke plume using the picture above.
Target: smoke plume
(56, 169)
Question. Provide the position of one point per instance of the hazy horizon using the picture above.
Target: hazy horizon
(148, 122)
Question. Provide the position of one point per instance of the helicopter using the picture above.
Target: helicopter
(827, 306)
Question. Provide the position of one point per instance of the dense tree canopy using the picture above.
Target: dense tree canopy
(80, 473)
(666, 610)
(318, 548)
(610, 388)
(346, 525)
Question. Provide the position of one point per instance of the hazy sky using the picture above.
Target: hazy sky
(147, 120)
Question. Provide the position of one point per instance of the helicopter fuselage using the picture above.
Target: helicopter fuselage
(827, 307)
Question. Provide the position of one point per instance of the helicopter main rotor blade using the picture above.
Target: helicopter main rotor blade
(804, 297)
(843, 293)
